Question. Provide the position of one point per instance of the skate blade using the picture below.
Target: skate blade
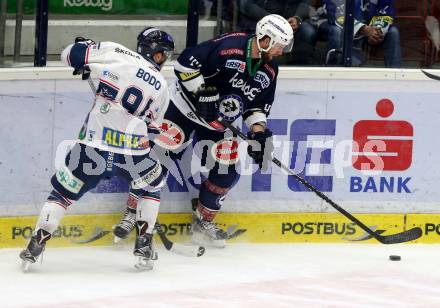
(203, 240)
(143, 264)
(117, 239)
(25, 265)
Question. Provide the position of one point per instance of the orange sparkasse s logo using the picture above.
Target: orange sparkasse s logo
(382, 144)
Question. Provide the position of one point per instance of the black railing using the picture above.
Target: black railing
(348, 32)
(41, 26)
(192, 23)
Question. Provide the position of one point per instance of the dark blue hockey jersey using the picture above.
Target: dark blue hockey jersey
(221, 62)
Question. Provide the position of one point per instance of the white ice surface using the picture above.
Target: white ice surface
(301, 275)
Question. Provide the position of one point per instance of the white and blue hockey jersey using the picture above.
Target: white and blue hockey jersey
(131, 93)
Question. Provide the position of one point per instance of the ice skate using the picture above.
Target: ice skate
(123, 228)
(206, 233)
(34, 249)
(144, 250)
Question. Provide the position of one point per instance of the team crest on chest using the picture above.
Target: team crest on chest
(231, 107)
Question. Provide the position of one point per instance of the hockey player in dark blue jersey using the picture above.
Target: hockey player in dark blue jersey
(230, 76)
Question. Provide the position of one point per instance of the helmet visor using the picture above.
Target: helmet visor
(285, 48)
(168, 54)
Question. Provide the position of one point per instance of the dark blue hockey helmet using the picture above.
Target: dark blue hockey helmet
(152, 40)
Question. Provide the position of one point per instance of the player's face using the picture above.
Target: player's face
(160, 58)
(275, 51)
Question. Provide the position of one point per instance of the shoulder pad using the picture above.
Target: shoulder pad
(229, 35)
(231, 52)
(272, 68)
(120, 49)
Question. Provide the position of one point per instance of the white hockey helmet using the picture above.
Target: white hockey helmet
(278, 29)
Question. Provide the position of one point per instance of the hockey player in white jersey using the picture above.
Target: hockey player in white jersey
(132, 96)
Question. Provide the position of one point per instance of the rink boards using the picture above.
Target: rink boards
(367, 138)
(96, 230)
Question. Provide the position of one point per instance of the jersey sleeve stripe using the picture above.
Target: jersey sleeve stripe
(108, 83)
(86, 61)
(58, 203)
(133, 196)
(150, 198)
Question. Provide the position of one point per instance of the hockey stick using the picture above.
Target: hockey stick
(181, 249)
(186, 250)
(92, 85)
(401, 237)
(432, 76)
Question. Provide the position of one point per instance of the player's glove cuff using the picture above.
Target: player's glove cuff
(84, 72)
(260, 147)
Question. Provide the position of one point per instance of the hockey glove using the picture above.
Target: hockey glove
(206, 103)
(88, 42)
(260, 147)
(84, 72)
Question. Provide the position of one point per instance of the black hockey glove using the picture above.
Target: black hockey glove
(84, 72)
(260, 147)
(206, 103)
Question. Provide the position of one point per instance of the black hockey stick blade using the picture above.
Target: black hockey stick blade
(432, 76)
(405, 236)
(186, 250)
(166, 242)
(235, 234)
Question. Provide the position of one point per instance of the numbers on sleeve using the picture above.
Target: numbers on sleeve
(267, 107)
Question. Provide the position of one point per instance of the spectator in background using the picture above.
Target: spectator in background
(373, 26)
(295, 11)
(381, 31)
(208, 8)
